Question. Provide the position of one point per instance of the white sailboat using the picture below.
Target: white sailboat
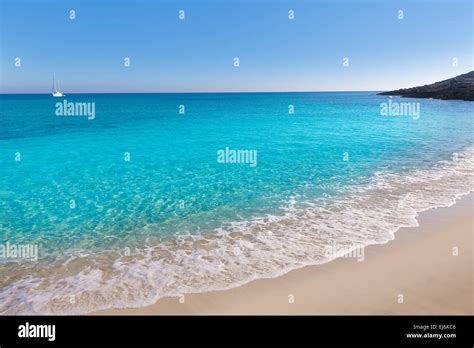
(56, 89)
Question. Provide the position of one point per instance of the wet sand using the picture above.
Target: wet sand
(419, 265)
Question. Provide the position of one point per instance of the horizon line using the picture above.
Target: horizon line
(195, 92)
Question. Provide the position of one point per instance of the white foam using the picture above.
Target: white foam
(264, 247)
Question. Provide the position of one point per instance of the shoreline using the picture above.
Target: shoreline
(418, 264)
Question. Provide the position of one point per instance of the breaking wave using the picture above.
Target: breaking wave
(239, 252)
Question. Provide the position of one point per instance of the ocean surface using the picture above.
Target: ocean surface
(173, 219)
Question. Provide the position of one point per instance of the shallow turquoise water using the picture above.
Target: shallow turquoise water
(173, 184)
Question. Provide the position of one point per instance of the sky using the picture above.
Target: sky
(87, 54)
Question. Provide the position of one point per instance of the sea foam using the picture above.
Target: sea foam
(241, 251)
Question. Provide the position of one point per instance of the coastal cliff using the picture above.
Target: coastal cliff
(459, 87)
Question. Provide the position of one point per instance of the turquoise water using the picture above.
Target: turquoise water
(174, 220)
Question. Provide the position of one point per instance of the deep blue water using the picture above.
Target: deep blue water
(174, 185)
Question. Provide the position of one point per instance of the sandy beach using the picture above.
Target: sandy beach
(416, 273)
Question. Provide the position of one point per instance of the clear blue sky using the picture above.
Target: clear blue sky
(276, 54)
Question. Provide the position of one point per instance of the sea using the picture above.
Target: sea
(158, 195)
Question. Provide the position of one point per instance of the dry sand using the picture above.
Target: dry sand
(419, 264)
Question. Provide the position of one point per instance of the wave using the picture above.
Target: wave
(240, 252)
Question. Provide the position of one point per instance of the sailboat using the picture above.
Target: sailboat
(56, 90)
